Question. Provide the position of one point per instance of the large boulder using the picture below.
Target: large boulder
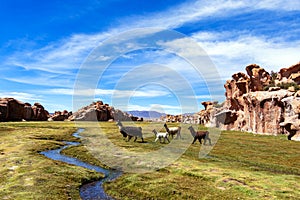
(28, 112)
(11, 109)
(292, 126)
(39, 113)
(14, 110)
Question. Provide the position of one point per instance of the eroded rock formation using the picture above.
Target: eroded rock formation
(249, 108)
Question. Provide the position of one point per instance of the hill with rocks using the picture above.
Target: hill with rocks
(98, 111)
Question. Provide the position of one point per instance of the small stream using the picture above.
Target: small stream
(89, 191)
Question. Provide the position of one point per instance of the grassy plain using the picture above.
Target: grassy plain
(240, 166)
(25, 174)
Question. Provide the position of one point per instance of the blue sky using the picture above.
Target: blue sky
(44, 46)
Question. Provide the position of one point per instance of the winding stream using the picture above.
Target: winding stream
(88, 191)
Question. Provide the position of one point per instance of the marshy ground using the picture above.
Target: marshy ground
(241, 165)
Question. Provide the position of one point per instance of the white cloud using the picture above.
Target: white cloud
(44, 80)
(278, 5)
(67, 54)
(58, 57)
(232, 55)
(114, 93)
(193, 11)
(22, 96)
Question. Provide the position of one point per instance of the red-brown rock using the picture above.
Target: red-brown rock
(287, 72)
(28, 112)
(259, 77)
(39, 113)
(11, 109)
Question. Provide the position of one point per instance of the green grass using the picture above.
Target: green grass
(240, 166)
(25, 174)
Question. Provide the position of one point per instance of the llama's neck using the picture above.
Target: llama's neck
(120, 126)
(167, 129)
(193, 132)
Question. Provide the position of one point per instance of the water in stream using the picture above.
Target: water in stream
(88, 191)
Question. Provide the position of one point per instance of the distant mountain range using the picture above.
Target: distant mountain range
(150, 114)
(146, 114)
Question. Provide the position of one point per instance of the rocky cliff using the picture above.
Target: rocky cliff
(260, 102)
(15, 110)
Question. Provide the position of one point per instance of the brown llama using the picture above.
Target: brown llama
(173, 131)
(199, 135)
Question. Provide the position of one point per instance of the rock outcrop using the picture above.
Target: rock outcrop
(97, 111)
(11, 109)
(60, 116)
(14, 110)
(39, 113)
(248, 107)
(291, 74)
(206, 116)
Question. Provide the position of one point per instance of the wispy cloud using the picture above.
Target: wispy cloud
(114, 93)
(66, 55)
(233, 53)
(60, 60)
(22, 96)
(62, 56)
(193, 11)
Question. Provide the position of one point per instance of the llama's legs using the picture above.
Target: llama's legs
(129, 138)
(199, 139)
(195, 138)
(135, 139)
(178, 135)
(142, 139)
(167, 139)
(208, 140)
(156, 139)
